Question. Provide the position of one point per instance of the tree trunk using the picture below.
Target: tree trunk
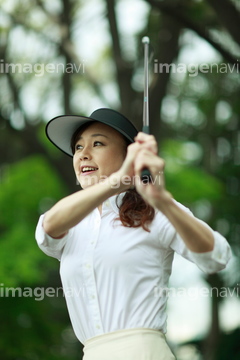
(211, 341)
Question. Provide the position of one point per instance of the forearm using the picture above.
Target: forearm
(197, 237)
(69, 211)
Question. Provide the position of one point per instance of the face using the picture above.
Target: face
(99, 151)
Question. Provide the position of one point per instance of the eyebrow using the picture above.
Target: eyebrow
(94, 135)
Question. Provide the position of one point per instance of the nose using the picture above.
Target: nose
(85, 154)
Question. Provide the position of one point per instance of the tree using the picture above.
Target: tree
(32, 89)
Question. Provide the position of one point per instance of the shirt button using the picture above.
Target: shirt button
(93, 296)
(88, 266)
(97, 327)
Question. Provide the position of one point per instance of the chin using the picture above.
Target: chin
(87, 182)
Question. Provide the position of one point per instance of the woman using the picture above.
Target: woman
(116, 238)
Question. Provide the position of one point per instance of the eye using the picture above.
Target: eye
(98, 143)
(78, 147)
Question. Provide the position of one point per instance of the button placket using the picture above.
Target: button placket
(89, 275)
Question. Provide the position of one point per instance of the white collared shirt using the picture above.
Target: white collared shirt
(112, 275)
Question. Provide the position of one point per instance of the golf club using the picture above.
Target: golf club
(145, 174)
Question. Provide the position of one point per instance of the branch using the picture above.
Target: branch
(51, 16)
(167, 52)
(114, 32)
(124, 70)
(228, 15)
(65, 40)
(31, 143)
(173, 11)
(66, 48)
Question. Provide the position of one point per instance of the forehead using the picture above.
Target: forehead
(99, 128)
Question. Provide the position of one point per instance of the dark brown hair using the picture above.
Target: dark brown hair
(133, 211)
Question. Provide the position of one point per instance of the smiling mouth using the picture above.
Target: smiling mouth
(88, 169)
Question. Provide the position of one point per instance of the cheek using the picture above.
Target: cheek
(119, 156)
(75, 167)
(117, 162)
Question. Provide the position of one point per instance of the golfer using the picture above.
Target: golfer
(116, 237)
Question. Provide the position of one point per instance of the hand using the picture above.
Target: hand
(147, 141)
(123, 179)
(153, 193)
(142, 141)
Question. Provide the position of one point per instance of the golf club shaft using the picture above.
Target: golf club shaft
(145, 41)
(145, 174)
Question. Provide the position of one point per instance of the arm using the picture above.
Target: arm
(209, 262)
(197, 237)
(69, 211)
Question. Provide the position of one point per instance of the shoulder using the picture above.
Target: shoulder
(160, 218)
(162, 229)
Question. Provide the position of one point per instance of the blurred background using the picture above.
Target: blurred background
(71, 57)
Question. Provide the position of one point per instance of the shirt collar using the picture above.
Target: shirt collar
(114, 202)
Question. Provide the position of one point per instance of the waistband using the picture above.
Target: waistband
(118, 334)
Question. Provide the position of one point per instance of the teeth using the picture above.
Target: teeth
(88, 169)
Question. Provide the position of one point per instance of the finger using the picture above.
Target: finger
(145, 158)
(154, 164)
(142, 137)
(148, 141)
(132, 151)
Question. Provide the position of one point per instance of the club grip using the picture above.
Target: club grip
(145, 129)
(146, 176)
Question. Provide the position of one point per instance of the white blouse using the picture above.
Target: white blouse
(112, 275)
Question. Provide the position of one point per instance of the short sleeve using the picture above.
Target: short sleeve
(50, 246)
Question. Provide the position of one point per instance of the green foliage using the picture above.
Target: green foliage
(199, 141)
(35, 330)
(187, 181)
(229, 344)
(28, 189)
